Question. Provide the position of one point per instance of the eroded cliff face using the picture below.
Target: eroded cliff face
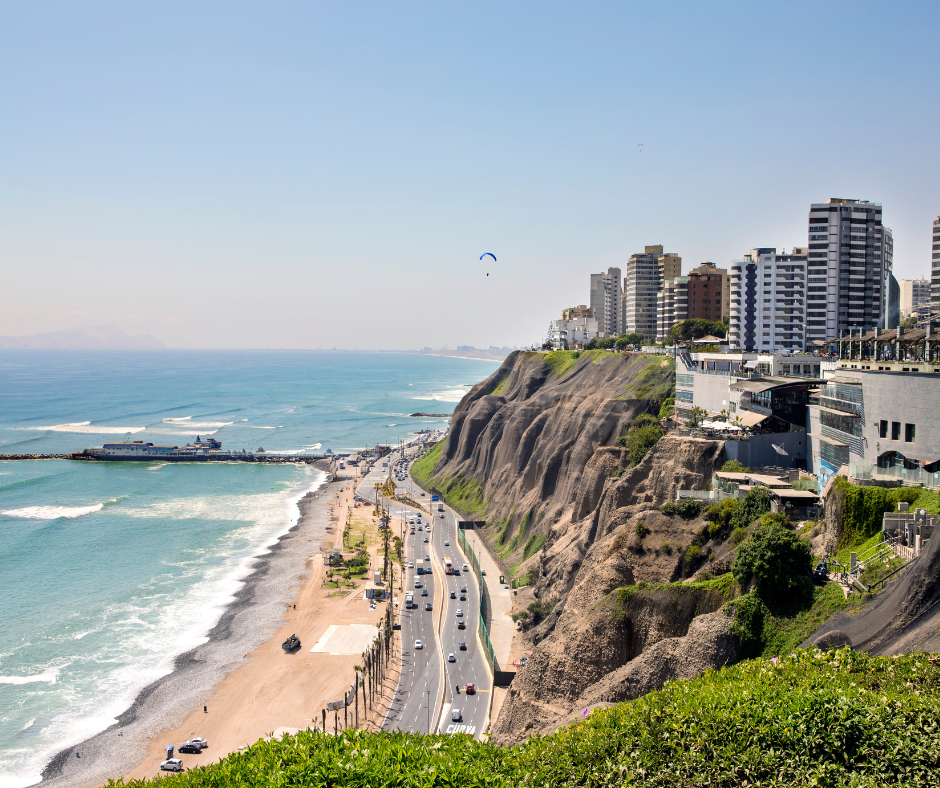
(537, 445)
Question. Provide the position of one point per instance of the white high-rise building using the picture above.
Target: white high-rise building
(647, 273)
(672, 305)
(850, 260)
(607, 302)
(915, 293)
(768, 301)
(935, 269)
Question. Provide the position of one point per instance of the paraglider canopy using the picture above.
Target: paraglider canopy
(490, 254)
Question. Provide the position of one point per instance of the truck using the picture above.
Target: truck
(409, 600)
(419, 566)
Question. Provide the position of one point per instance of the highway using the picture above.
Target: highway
(419, 689)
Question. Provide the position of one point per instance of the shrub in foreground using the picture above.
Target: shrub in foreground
(818, 718)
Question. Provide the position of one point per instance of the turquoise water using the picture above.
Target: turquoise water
(110, 570)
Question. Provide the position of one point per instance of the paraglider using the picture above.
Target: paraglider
(490, 254)
(640, 146)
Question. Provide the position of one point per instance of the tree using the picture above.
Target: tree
(775, 557)
(733, 466)
(696, 416)
(755, 503)
(668, 408)
(696, 328)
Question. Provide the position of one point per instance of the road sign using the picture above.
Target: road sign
(435, 498)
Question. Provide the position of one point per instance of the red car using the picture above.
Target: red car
(470, 689)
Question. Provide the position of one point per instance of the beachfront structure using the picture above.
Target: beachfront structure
(709, 293)
(646, 276)
(769, 301)
(914, 297)
(607, 302)
(567, 332)
(850, 260)
(672, 305)
(935, 269)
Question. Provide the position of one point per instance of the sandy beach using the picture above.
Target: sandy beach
(248, 684)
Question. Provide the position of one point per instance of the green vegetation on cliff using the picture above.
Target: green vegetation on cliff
(463, 494)
(864, 507)
(813, 718)
(423, 469)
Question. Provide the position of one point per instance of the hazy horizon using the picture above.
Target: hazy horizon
(315, 175)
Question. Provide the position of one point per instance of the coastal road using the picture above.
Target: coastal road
(416, 702)
(469, 665)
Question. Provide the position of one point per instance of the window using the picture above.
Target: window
(895, 430)
(908, 433)
(883, 429)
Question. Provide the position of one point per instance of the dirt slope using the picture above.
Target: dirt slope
(533, 452)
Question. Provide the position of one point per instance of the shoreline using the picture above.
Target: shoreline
(249, 620)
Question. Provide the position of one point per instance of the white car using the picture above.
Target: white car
(455, 715)
(446, 543)
(199, 742)
(459, 613)
(172, 765)
(465, 568)
(417, 584)
(451, 657)
(418, 645)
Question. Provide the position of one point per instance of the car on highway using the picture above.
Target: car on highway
(465, 568)
(427, 605)
(455, 715)
(419, 527)
(453, 594)
(459, 613)
(411, 565)
(461, 624)
(426, 540)
(463, 590)
(470, 689)
(451, 657)
(418, 645)
(427, 557)
(424, 592)
(442, 516)
(172, 765)
(446, 543)
(462, 646)
(417, 584)
(463, 597)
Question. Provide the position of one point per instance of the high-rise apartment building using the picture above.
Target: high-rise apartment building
(672, 305)
(709, 292)
(607, 302)
(915, 293)
(935, 269)
(647, 273)
(768, 301)
(850, 258)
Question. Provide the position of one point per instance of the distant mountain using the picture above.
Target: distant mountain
(92, 337)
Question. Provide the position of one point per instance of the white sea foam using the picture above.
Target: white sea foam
(315, 446)
(48, 676)
(186, 421)
(53, 512)
(451, 395)
(259, 427)
(182, 433)
(87, 427)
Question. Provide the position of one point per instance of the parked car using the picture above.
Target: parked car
(202, 743)
(190, 748)
(172, 765)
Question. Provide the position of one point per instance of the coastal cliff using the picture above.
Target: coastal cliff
(533, 452)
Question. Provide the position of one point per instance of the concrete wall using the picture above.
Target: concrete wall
(758, 451)
(908, 398)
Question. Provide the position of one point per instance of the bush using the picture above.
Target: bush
(667, 548)
(776, 558)
(749, 616)
(733, 466)
(755, 503)
(738, 535)
(687, 508)
(668, 408)
(642, 530)
(864, 508)
(719, 515)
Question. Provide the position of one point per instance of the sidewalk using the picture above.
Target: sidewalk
(501, 627)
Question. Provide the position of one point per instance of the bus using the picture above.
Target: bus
(448, 566)
(419, 564)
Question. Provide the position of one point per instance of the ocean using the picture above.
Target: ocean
(108, 571)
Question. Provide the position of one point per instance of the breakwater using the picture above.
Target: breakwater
(309, 459)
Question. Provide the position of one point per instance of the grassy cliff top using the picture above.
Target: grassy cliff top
(811, 718)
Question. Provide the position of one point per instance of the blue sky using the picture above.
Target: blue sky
(185, 168)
